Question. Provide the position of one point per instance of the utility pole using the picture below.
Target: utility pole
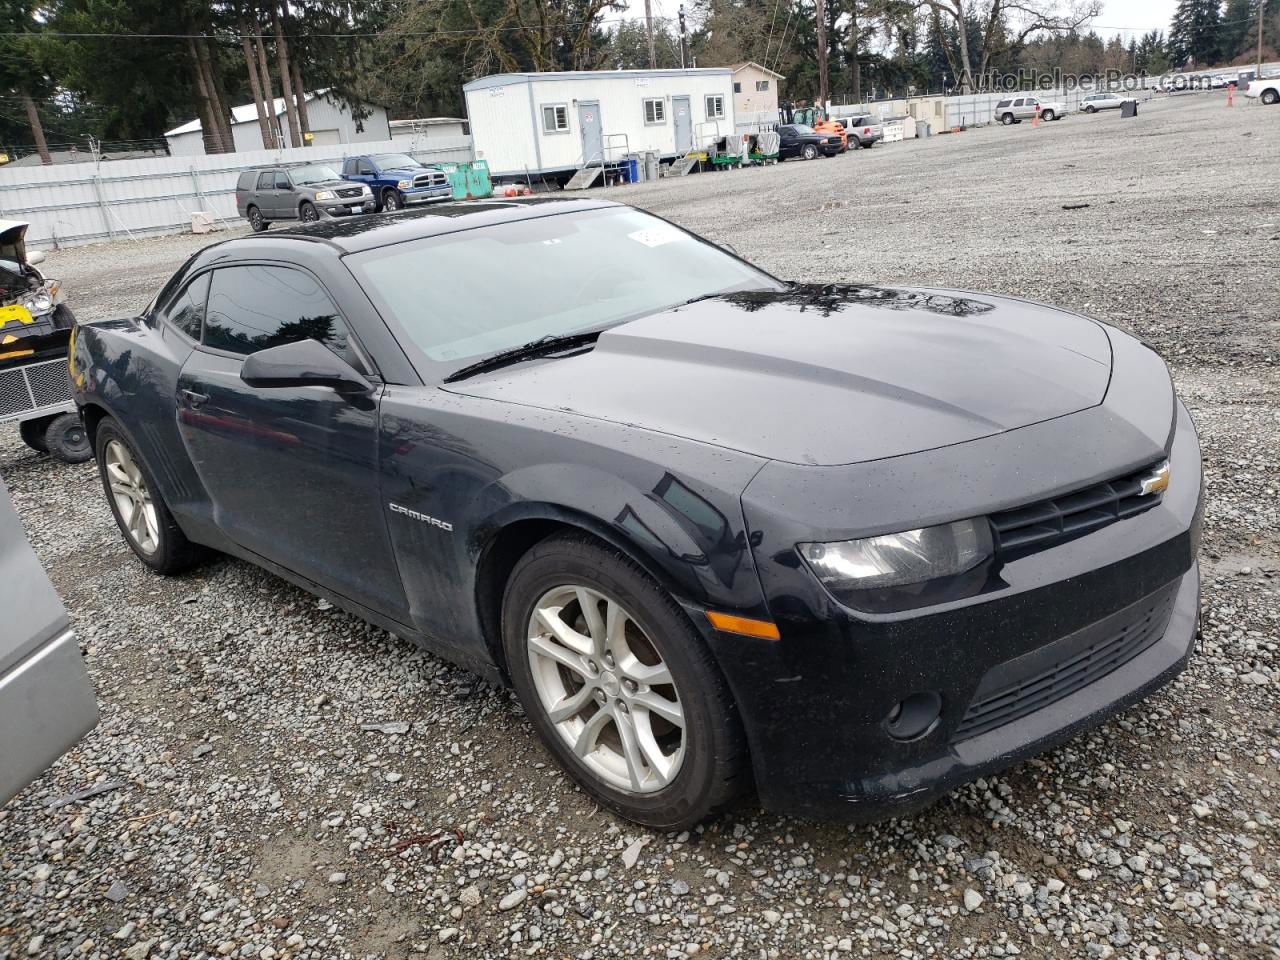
(820, 11)
(648, 32)
(1258, 67)
(684, 42)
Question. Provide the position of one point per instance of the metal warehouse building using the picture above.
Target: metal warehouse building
(332, 123)
(556, 123)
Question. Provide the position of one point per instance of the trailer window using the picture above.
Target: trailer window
(555, 118)
(715, 107)
(655, 110)
(762, 85)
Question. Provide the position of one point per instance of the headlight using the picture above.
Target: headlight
(326, 195)
(850, 567)
(40, 303)
(405, 184)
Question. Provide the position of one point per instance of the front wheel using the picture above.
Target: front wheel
(809, 151)
(66, 439)
(1091, 109)
(391, 201)
(148, 527)
(618, 684)
(309, 213)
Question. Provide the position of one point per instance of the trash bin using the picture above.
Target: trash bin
(1129, 108)
(633, 168)
(922, 128)
(470, 181)
(651, 165)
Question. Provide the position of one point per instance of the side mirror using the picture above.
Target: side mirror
(35, 256)
(306, 363)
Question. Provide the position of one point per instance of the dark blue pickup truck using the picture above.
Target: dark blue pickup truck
(397, 179)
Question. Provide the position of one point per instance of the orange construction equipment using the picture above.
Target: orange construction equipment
(816, 118)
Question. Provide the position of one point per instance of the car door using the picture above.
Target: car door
(264, 194)
(788, 140)
(286, 202)
(291, 472)
(360, 170)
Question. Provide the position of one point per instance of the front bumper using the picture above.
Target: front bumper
(427, 194)
(347, 208)
(1073, 634)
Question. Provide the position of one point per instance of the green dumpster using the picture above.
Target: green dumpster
(470, 181)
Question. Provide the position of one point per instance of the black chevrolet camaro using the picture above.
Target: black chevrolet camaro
(853, 545)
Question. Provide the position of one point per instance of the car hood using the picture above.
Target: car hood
(329, 184)
(403, 173)
(826, 374)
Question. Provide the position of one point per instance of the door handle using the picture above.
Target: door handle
(194, 399)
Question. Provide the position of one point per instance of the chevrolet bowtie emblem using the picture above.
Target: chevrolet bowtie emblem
(1157, 481)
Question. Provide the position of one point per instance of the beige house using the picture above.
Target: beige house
(755, 93)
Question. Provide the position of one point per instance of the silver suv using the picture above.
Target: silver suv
(1017, 109)
(309, 193)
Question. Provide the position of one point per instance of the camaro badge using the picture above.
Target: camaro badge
(1157, 481)
(415, 515)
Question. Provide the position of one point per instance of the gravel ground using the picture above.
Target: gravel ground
(289, 782)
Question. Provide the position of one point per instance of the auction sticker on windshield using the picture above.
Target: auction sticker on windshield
(656, 236)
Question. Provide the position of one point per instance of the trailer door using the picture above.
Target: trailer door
(684, 124)
(592, 139)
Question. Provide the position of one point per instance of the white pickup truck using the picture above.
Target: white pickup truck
(1267, 90)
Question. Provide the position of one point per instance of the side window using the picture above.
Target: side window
(737, 88)
(282, 181)
(1018, 102)
(364, 168)
(715, 107)
(255, 307)
(186, 312)
(762, 85)
(267, 181)
(655, 110)
(555, 118)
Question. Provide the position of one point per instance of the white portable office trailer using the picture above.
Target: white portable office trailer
(557, 123)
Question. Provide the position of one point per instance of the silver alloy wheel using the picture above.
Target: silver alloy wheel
(606, 689)
(391, 201)
(133, 499)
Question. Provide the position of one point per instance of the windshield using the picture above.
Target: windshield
(315, 173)
(479, 291)
(395, 161)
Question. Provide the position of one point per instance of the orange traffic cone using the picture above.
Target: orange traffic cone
(1230, 90)
(1035, 121)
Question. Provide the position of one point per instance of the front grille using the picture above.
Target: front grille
(34, 386)
(432, 178)
(1048, 522)
(1132, 631)
(349, 193)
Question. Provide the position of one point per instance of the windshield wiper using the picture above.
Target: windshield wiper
(543, 346)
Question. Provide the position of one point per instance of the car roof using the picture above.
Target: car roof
(354, 234)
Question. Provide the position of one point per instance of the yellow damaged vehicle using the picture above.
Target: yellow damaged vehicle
(35, 326)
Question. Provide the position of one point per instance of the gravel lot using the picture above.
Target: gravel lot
(289, 782)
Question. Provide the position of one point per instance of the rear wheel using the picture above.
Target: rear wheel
(148, 527)
(620, 687)
(32, 432)
(391, 201)
(66, 438)
(1270, 96)
(1007, 119)
(809, 151)
(256, 220)
(1047, 115)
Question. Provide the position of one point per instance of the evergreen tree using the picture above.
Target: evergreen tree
(1194, 35)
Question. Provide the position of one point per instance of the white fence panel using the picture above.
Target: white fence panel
(69, 204)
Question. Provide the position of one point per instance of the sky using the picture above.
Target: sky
(1134, 16)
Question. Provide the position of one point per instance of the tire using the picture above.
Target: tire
(32, 433)
(855, 143)
(169, 551)
(66, 438)
(1091, 109)
(704, 753)
(256, 221)
(1048, 115)
(1007, 119)
(308, 213)
(1270, 96)
(809, 151)
(391, 201)
(63, 318)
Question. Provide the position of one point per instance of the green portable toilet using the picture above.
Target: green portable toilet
(470, 181)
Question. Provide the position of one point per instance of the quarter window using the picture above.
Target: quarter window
(655, 110)
(715, 107)
(555, 118)
(252, 308)
(187, 310)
